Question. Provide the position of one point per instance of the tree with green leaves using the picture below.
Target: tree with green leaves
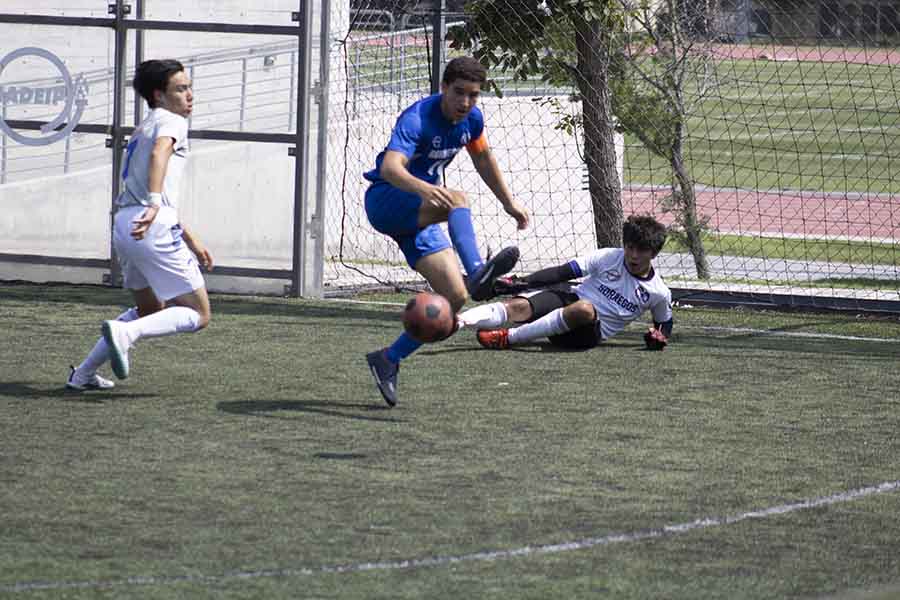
(630, 63)
(563, 42)
(668, 52)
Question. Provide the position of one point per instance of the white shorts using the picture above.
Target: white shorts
(161, 261)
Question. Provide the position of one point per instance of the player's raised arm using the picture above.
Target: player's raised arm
(394, 171)
(489, 171)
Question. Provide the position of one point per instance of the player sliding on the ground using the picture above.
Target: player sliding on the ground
(406, 201)
(619, 285)
(158, 254)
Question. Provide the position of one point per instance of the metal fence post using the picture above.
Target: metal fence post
(318, 219)
(3, 157)
(138, 59)
(291, 91)
(243, 92)
(190, 116)
(438, 25)
(66, 154)
(356, 80)
(121, 43)
(299, 281)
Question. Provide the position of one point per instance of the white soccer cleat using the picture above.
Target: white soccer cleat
(114, 334)
(94, 382)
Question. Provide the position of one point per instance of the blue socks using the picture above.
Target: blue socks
(402, 347)
(462, 234)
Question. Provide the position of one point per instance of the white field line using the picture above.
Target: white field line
(735, 330)
(441, 561)
(796, 334)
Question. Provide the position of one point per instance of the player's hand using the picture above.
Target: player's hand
(203, 255)
(655, 340)
(519, 213)
(440, 197)
(143, 222)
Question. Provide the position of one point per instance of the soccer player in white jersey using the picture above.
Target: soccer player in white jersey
(158, 254)
(619, 285)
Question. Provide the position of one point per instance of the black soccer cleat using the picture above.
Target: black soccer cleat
(481, 284)
(385, 374)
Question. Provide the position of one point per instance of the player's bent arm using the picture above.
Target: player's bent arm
(197, 247)
(163, 149)
(394, 171)
(489, 171)
(487, 168)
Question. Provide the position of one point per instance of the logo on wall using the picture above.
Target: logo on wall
(73, 94)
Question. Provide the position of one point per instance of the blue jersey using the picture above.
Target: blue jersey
(428, 139)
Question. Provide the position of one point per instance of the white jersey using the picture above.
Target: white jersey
(618, 296)
(136, 170)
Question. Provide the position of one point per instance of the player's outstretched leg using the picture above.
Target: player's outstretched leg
(385, 373)
(496, 339)
(481, 283)
(94, 382)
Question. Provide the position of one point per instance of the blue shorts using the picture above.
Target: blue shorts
(395, 213)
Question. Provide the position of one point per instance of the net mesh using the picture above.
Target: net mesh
(788, 118)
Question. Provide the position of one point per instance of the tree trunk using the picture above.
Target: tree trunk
(593, 47)
(687, 209)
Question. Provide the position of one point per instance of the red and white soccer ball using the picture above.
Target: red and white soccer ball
(428, 317)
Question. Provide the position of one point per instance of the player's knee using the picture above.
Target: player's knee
(579, 313)
(459, 199)
(457, 300)
(203, 321)
(145, 309)
(518, 310)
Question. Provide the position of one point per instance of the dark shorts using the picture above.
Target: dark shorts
(395, 213)
(583, 338)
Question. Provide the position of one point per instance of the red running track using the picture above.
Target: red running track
(814, 214)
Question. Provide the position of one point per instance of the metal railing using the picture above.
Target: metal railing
(114, 127)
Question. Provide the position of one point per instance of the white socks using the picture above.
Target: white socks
(175, 319)
(486, 316)
(550, 324)
(99, 354)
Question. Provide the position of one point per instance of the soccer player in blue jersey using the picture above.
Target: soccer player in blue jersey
(159, 255)
(406, 201)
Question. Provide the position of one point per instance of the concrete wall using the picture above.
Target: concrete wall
(239, 196)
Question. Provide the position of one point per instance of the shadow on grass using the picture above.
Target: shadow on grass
(267, 408)
(23, 390)
(98, 295)
(530, 348)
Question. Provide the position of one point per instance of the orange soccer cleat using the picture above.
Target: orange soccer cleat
(498, 339)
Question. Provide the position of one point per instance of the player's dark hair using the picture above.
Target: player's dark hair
(464, 67)
(644, 232)
(154, 75)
